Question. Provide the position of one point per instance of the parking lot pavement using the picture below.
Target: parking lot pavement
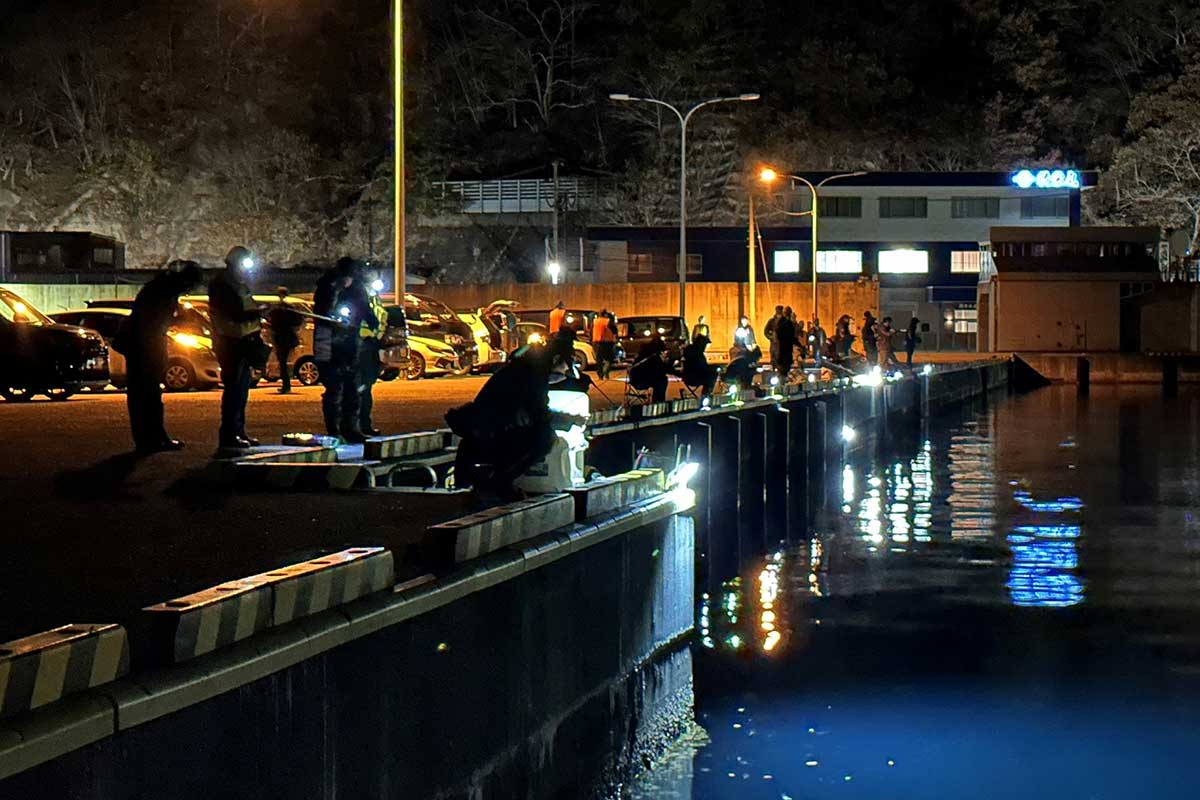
(93, 533)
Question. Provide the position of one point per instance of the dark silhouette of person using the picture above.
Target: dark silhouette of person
(143, 341)
(769, 331)
(285, 335)
(604, 339)
(371, 331)
(650, 369)
(842, 337)
(743, 365)
(870, 346)
(507, 427)
(237, 340)
(785, 338)
(342, 307)
(697, 372)
(912, 338)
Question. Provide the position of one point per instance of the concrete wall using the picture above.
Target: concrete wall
(62, 297)
(1169, 319)
(722, 303)
(1056, 315)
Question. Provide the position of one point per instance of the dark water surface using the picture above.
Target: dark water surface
(1005, 603)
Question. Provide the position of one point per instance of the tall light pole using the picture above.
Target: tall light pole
(398, 276)
(684, 119)
(768, 175)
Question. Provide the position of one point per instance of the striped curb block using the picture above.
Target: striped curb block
(478, 534)
(208, 620)
(310, 477)
(291, 455)
(655, 409)
(409, 444)
(204, 621)
(313, 586)
(685, 404)
(606, 416)
(609, 494)
(48, 666)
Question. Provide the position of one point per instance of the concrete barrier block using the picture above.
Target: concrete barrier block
(299, 590)
(402, 446)
(55, 731)
(48, 666)
(204, 621)
(300, 476)
(290, 455)
(609, 494)
(651, 410)
(478, 534)
(606, 416)
(685, 404)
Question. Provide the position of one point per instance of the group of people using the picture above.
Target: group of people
(879, 339)
(350, 321)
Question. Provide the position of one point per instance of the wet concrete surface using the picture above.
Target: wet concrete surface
(1001, 604)
(92, 533)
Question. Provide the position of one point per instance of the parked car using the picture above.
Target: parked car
(188, 319)
(191, 363)
(577, 320)
(633, 332)
(41, 356)
(433, 321)
(428, 357)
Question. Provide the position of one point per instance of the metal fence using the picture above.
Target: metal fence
(523, 196)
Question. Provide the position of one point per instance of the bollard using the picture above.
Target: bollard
(1083, 374)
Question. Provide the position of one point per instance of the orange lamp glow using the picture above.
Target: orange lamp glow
(767, 175)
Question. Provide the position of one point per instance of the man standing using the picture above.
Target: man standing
(769, 332)
(143, 341)
(604, 337)
(285, 334)
(868, 339)
(335, 348)
(701, 328)
(818, 339)
(785, 338)
(912, 338)
(370, 332)
(237, 339)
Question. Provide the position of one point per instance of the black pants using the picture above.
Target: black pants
(368, 374)
(786, 357)
(605, 354)
(234, 357)
(283, 354)
(491, 463)
(650, 375)
(143, 395)
(908, 351)
(339, 403)
(872, 352)
(705, 379)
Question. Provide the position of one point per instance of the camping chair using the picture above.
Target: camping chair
(635, 396)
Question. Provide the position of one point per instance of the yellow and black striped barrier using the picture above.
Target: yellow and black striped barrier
(204, 621)
(303, 477)
(292, 455)
(313, 586)
(482, 533)
(609, 494)
(47, 666)
(383, 448)
(685, 404)
(606, 416)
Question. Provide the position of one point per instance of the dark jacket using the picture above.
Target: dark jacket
(516, 396)
(285, 326)
(695, 362)
(143, 334)
(785, 332)
(235, 315)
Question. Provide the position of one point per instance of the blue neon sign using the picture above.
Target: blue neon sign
(1046, 179)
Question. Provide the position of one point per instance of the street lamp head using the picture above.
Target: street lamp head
(619, 96)
(750, 96)
(767, 175)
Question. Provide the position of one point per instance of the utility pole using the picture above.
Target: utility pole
(554, 255)
(399, 277)
(751, 262)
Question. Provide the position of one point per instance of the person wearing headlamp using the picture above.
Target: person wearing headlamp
(237, 340)
(371, 330)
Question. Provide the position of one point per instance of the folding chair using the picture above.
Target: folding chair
(637, 397)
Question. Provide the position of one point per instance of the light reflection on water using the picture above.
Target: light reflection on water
(1001, 605)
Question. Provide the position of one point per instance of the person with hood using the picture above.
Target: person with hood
(743, 365)
(697, 372)
(507, 427)
(341, 309)
(142, 339)
(743, 334)
(237, 340)
(769, 330)
(843, 339)
(883, 343)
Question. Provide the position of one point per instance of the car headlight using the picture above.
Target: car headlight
(186, 340)
(535, 338)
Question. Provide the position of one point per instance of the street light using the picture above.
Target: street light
(555, 269)
(398, 276)
(684, 118)
(768, 175)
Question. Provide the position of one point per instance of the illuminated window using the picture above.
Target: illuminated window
(964, 261)
(966, 320)
(903, 261)
(786, 262)
(902, 207)
(975, 207)
(848, 262)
